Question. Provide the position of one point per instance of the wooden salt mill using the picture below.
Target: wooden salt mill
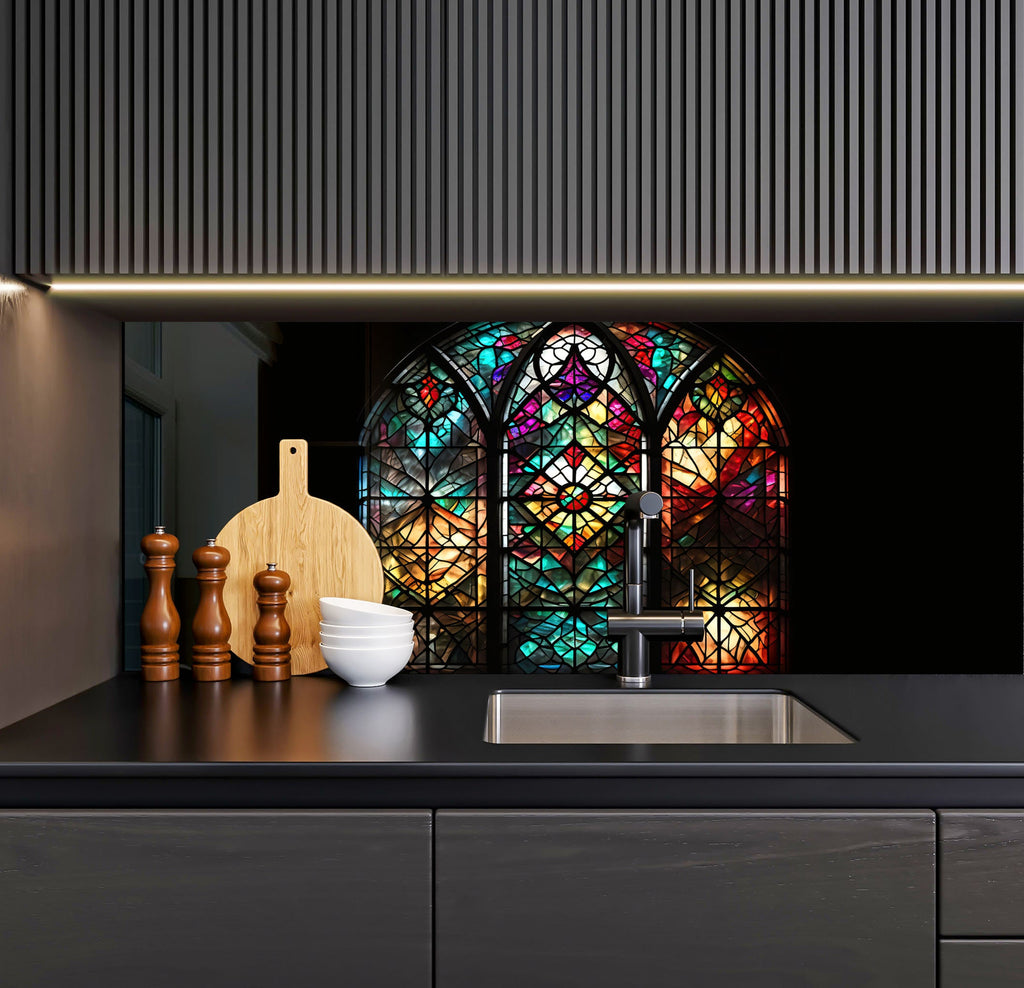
(160, 624)
(211, 627)
(271, 651)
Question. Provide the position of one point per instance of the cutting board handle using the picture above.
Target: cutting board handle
(293, 468)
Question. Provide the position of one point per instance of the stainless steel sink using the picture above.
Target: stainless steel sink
(655, 717)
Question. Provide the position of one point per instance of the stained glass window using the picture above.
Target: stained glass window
(497, 463)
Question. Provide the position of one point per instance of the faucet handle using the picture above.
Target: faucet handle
(693, 620)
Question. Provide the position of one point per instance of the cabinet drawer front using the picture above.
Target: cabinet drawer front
(668, 898)
(981, 963)
(981, 873)
(171, 899)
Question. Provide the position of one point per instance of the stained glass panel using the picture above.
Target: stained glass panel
(663, 354)
(565, 440)
(557, 641)
(485, 352)
(737, 642)
(723, 480)
(425, 507)
(574, 452)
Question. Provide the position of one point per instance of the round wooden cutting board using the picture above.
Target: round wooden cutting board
(325, 551)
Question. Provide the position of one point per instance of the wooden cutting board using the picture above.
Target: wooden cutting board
(325, 551)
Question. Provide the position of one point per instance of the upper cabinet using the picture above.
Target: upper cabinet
(517, 136)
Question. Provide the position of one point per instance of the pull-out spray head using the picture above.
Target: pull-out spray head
(643, 506)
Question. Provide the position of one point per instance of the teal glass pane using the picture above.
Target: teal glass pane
(423, 439)
(559, 642)
(484, 353)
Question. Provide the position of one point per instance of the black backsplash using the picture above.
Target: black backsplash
(905, 474)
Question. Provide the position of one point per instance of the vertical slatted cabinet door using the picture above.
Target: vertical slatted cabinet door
(544, 137)
(168, 899)
(694, 898)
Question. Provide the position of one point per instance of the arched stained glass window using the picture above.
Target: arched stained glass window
(497, 464)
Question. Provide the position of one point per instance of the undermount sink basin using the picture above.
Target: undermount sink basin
(655, 717)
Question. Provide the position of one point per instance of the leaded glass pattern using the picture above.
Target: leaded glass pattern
(500, 457)
(573, 452)
(426, 509)
(723, 477)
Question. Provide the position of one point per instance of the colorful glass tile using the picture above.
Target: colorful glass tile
(663, 354)
(484, 353)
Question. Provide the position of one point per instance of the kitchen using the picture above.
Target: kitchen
(312, 193)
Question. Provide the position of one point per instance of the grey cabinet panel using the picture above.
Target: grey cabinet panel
(981, 868)
(981, 963)
(657, 898)
(534, 137)
(254, 898)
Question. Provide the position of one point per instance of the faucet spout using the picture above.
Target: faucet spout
(632, 625)
(640, 508)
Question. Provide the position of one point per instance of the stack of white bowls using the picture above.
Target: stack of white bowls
(362, 642)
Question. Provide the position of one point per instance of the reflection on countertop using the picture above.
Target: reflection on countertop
(263, 722)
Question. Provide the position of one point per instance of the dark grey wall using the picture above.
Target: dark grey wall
(552, 136)
(60, 501)
(6, 138)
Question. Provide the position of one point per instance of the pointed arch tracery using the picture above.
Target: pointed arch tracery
(497, 463)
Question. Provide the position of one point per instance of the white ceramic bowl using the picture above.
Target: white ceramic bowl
(364, 641)
(347, 610)
(366, 666)
(368, 631)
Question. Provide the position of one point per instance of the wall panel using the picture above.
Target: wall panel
(519, 136)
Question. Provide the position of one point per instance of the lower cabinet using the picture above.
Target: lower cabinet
(173, 899)
(981, 896)
(981, 857)
(981, 963)
(464, 899)
(695, 898)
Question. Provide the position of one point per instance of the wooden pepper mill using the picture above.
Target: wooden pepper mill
(211, 627)
(271, 651)
(160, 624)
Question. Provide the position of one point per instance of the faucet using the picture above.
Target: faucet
(634, 626)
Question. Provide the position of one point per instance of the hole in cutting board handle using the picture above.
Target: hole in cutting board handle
(293, 450)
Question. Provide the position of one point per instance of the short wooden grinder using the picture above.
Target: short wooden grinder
(271, 650)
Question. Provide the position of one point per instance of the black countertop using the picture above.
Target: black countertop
(921, 741)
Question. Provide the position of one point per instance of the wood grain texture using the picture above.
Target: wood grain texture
(257, 898)
(211, 626)
(322, 547)
(981, 864)
(160, 623)
(667, 898)
(981, 963)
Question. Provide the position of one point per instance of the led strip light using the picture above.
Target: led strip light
(554, 285)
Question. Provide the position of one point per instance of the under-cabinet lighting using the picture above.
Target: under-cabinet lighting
(10, 287)
(554, 285)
